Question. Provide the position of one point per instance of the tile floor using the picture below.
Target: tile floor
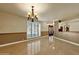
(41, 46)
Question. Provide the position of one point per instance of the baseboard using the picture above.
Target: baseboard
(13, 33)
(44, 33)
(12, 37)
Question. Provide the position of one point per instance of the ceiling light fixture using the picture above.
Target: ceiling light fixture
(32, 16)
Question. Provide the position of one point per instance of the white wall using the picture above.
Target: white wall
(10, 23)
(44, 25)
(73, 24)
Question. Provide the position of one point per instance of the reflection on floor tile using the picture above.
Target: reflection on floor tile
(41, 46)
(33, 47)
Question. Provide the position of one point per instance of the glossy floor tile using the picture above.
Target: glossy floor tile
(71, 36)
(40, 46)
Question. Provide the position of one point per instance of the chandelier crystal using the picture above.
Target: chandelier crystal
(32, 16)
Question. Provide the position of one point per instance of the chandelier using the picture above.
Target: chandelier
(31, 16)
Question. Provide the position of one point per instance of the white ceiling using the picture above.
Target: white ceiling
(45, 11)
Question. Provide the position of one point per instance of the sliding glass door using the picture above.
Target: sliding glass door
(33, 29)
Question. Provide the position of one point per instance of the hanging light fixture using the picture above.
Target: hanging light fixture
(32, 16)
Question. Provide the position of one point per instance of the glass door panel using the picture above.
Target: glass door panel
(33, 29)
(29, 29)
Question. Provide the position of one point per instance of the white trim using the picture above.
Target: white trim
(12, 43)
(67, 41)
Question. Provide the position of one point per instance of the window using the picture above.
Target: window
(33, 29)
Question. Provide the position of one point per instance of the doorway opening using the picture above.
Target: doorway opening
(33, 29)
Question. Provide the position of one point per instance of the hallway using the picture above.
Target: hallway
(40, 46)
(25, 27)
